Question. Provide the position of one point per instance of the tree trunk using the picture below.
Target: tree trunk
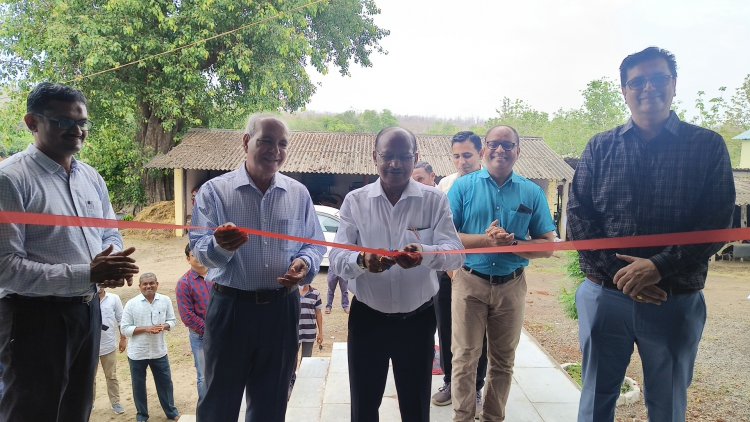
(154, 139)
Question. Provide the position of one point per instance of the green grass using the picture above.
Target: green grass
(574, 371)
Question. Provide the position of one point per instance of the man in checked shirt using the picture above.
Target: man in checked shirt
(252, 320)
(193, 295)
(654, 174)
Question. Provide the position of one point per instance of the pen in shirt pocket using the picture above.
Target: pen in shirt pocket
(415, 231)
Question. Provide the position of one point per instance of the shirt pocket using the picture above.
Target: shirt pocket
(418, 235)
(290, 227)
(516, 222)
(93, 207)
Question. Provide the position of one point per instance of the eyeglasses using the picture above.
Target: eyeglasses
(656, 81)
(506, 146)
(63, 123)
(406, 158)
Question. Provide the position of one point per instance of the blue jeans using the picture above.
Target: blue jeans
(610, 323)
(196, 345)
(163, 380)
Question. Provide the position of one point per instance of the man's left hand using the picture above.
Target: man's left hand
(410, 257)
(637, 275)
(296, 273)
(123, 344)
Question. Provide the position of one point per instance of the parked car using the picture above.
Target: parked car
(329, 222)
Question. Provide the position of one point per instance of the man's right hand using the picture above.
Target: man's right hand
(497, 236)
(378, 263)
(229, 237)
(113, 269)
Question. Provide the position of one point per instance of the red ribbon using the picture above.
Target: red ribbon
(643, 241)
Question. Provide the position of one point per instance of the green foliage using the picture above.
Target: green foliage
(567, 131)
(14, 136)
(575, 370)
(261, 67)
(568, 297)
(369, 121)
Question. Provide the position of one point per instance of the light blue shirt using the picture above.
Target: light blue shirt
(285, 208)
(51, 260)
(139, 312)
(519, 205)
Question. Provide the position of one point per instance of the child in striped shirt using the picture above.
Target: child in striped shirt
(310, 324)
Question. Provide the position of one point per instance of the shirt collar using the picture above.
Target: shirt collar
(483, 173)
(45, 162)
(412, 189)
(243, 179)
(672, 124)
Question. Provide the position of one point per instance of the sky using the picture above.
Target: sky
(458, 59)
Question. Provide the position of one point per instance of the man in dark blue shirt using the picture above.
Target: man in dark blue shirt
(655, 174)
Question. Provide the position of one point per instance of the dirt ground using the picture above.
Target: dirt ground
(721, 385)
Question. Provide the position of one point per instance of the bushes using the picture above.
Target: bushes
(568, 297)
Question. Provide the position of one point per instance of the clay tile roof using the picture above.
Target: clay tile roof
(341, 153)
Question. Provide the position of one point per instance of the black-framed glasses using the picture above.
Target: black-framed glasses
(405, 158)
(657, 81)
(506, 146)
(63, 123)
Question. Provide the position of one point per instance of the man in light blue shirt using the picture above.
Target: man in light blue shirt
(492, 207)
(250, 339)
(145, 319)
(51, 323)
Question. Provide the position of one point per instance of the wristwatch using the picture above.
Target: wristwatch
(361, 260)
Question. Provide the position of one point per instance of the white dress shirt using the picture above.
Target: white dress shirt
(139, 313)
(422, 215)
(111, 307)
(446, 183)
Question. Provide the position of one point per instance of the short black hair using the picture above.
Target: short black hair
(392, 129)
(512, 129)
(40, 97)
(650, 53)
(187, 250)
(424, 165)
(467, 135)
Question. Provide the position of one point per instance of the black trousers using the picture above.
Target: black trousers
(374, 339)
(49, 352)
(442, 302)
(249, 346)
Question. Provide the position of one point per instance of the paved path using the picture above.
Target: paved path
(541, 390)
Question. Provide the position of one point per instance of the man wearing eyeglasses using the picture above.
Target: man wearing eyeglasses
(392, 316)
(51, 321)
(493, 207)
(252, 321)
(654, 174)
(145, 319)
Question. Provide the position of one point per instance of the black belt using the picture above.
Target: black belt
(52, 299)
(261, 297)
(670, 290)
(496, 279)
(398, 315)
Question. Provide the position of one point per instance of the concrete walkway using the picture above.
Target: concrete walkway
(541, 390)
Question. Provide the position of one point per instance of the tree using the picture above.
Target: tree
(738, 115)
(603, 105)
(261, 67)
(14, 136)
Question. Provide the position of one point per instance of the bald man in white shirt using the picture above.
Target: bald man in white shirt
(392, 315)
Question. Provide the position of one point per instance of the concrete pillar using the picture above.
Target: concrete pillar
(745, 154)
(179, 200)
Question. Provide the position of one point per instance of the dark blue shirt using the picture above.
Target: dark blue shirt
(519, 206)
(626, 186)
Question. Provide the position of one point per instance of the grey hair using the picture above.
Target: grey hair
(254, 119)
(147, 276)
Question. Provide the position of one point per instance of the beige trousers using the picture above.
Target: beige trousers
(109, 364)
(478, 306)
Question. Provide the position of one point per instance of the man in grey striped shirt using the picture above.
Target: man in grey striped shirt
(51, 322)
